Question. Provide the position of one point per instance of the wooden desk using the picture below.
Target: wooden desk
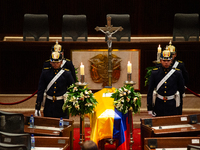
(45, 126)
(59, 142)
(170, 126)
(170, 142)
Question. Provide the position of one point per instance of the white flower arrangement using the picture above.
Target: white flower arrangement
(79, 100)
(125, 98)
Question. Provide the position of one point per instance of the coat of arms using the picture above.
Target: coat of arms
(99, 69)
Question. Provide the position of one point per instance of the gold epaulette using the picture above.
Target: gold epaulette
(66, 69)
(155, 69)
(47, 60)
(180, 61)
(47, 68)
(67, 59)
(177, 69)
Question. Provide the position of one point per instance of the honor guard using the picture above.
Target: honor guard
(66, 63)
(54, 80)
(165, 87)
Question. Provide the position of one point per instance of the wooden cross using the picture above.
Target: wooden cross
(109, 30)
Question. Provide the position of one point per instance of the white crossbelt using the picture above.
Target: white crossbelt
(54, 79)
(175, 64)
(165, 97)
(63, 63)
(55, 98)
(165, 78)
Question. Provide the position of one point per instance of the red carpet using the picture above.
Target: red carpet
(136, 139)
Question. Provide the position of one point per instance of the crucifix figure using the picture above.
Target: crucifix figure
(109, 30)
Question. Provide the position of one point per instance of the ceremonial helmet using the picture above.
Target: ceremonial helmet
(171, 48)
(56, 57)
(57, 48)
(166, 54)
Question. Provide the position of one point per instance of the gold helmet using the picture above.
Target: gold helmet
(57, 48)
(171, 48)
(166, 54)
(56, 57)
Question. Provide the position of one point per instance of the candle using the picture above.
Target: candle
(82, 69)
(159, 49)
(129, 67)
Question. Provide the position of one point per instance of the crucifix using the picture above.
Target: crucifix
(109, 30)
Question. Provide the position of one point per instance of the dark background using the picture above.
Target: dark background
(148, 17)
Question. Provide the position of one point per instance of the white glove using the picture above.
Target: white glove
(37, 113)
(153, 114)
(149, 112)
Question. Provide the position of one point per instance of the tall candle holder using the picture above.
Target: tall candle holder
(130, 116)
(130, 82)
(82, 130)
(82, 84)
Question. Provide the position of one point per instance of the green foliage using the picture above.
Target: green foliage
(148, 74)
(76, 72)
(125, 98)
(79, 100)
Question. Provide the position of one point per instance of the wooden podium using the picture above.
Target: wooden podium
(46, 126)
(170, 126)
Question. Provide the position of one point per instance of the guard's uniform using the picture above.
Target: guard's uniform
(67, 64)
(173, 84)
(53, 108)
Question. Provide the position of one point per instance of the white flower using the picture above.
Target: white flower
(120, 95)
(86, 92)
(129, 92)
(73, 99)
(121, 99)
(75, 89)
(124, 93)
(128, 99)
(135, 99)
(125, 90)
(77, 107)
(90, 91)
(88, 104)
(118, 105)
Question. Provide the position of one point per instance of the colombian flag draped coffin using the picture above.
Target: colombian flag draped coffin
(108, 122)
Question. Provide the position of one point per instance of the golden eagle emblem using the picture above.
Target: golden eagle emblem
(99, 69)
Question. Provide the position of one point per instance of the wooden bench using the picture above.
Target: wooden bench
(170, 142)
(170, 126)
